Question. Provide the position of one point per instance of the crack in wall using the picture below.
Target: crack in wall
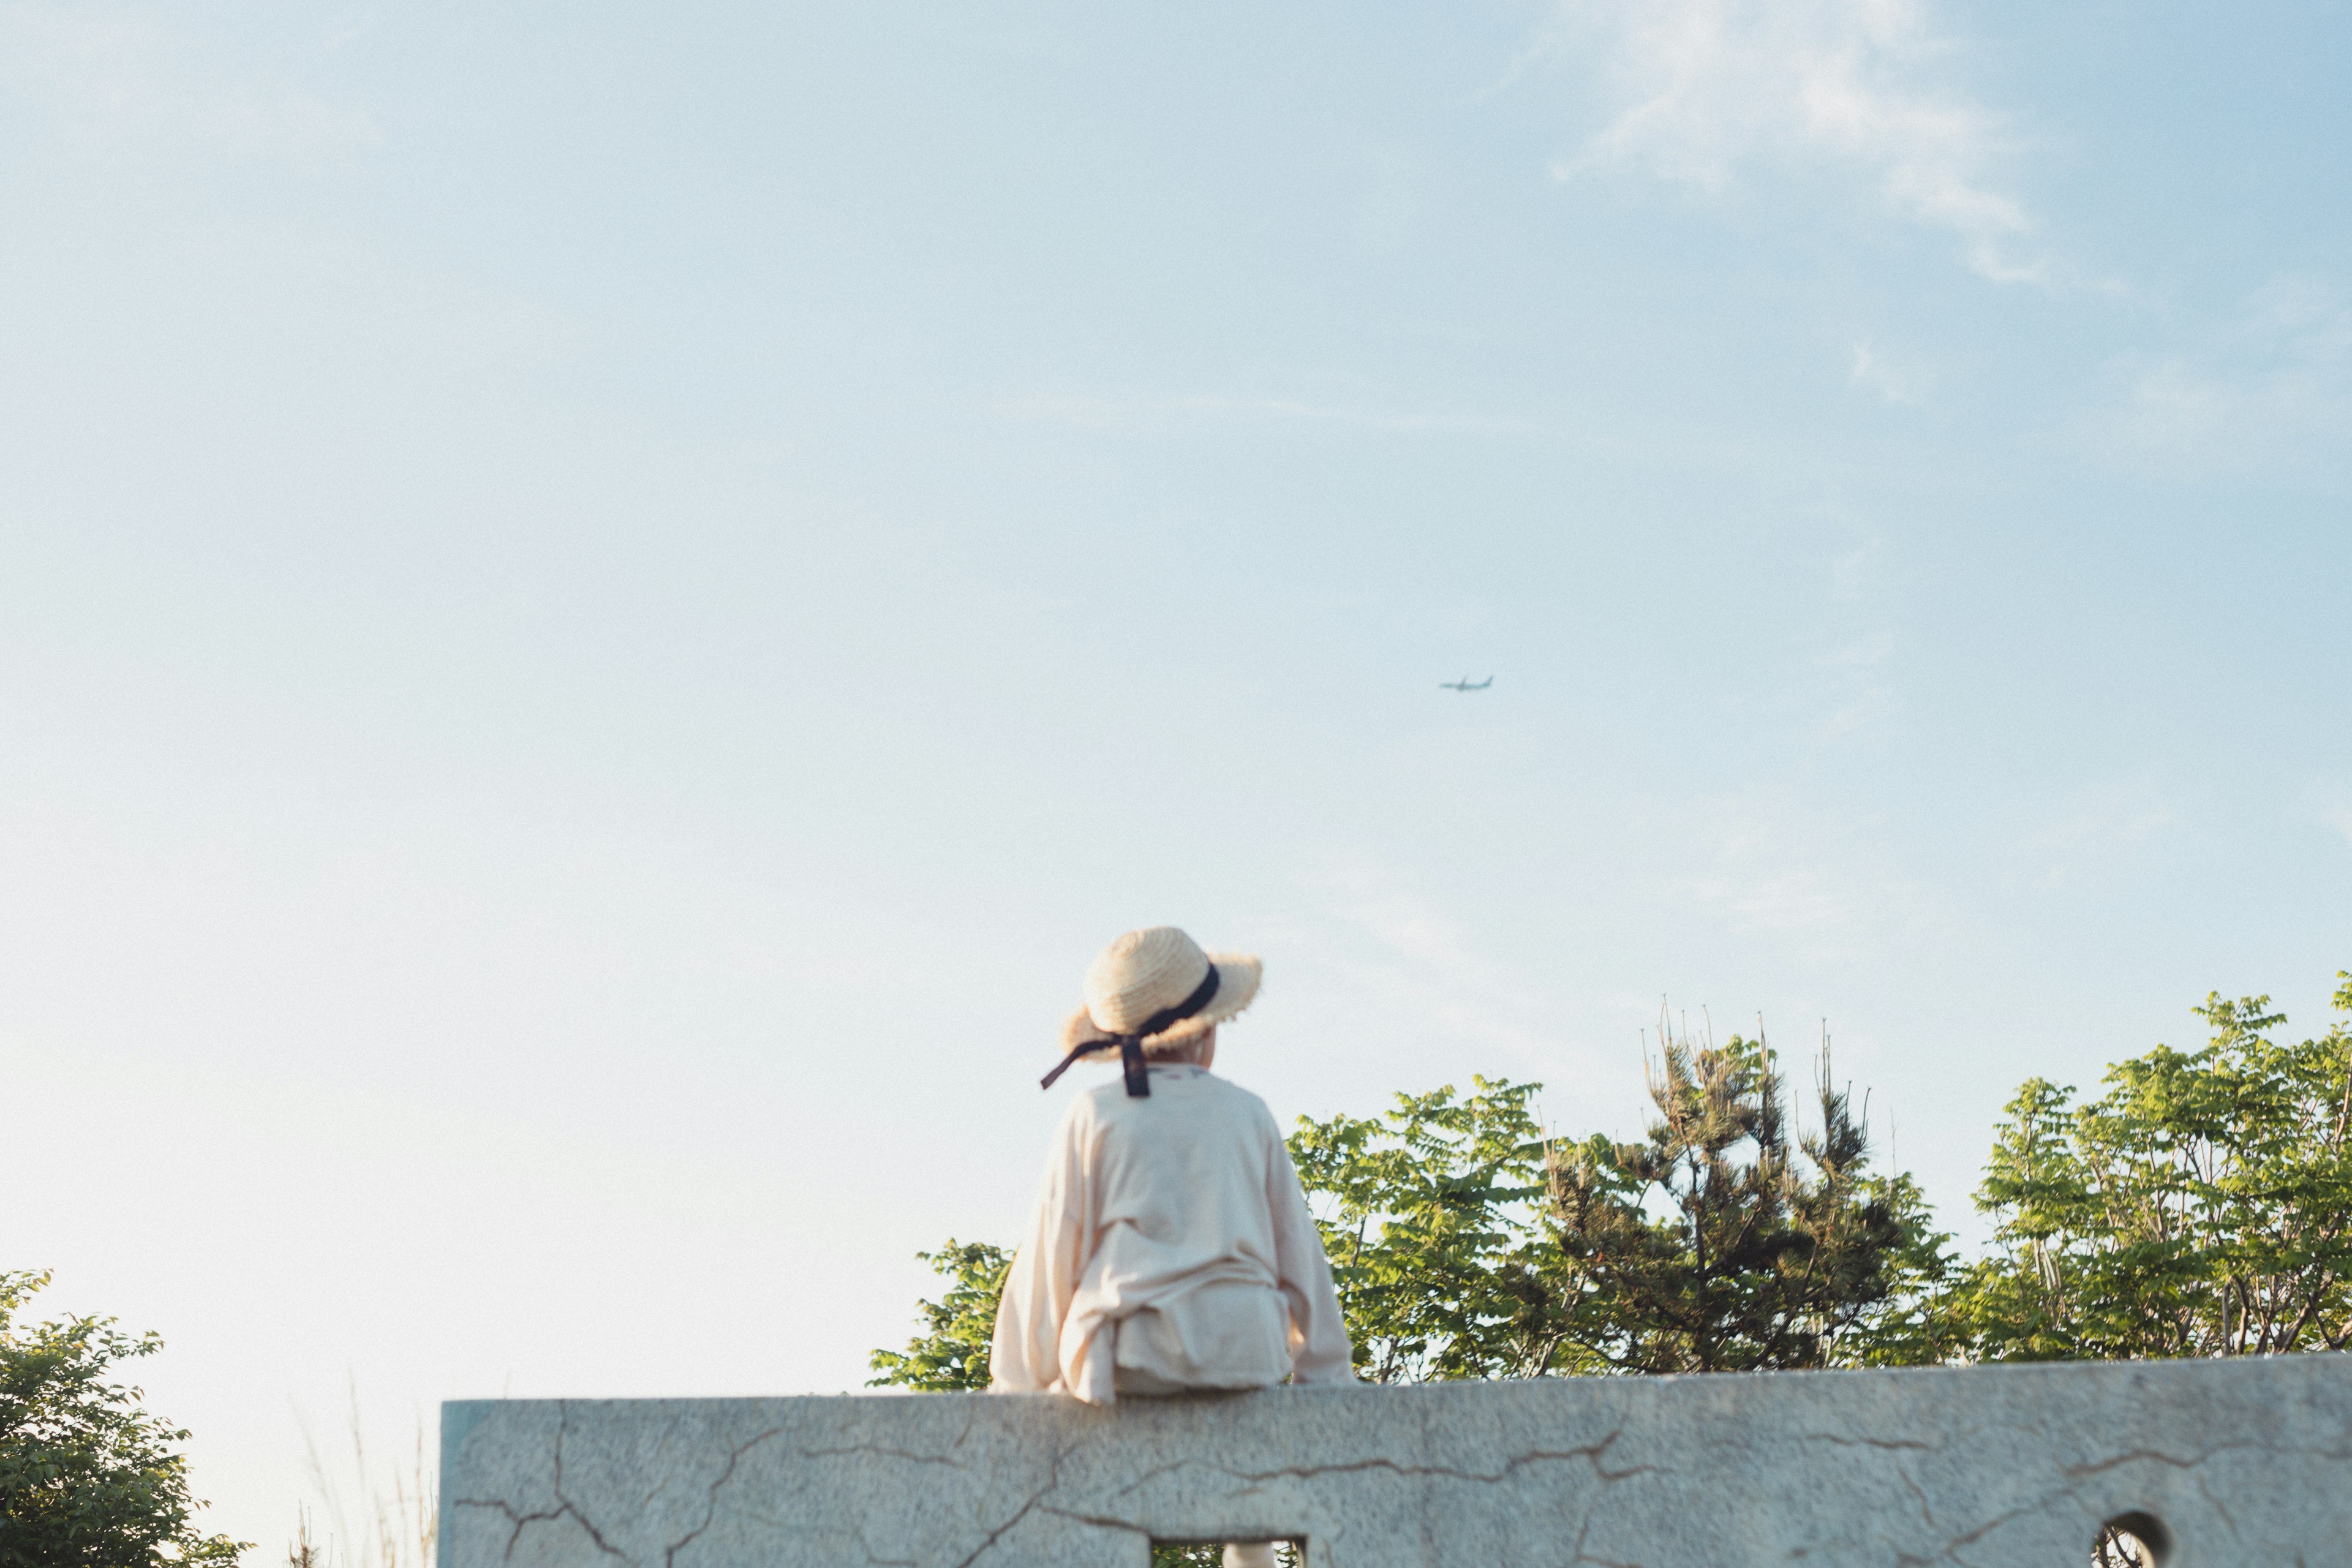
(1592, 1453)
(1581, 1556)
(710, 1501)
(2083, 1472)
(2218, 1504)
(2001, 1472)
(873, 1561)
(562, 1428)
(523, 1521)
(906, 1454)
(1053, 1479)
(1926, 1509)
(2075, 1474)
(1835, 1439)
(1951, 1548)
(1103, 1521)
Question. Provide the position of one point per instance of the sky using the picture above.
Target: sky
(602, 606)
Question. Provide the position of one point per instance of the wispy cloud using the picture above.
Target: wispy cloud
(1852, 683)
(1771, 870)
(2104, 826)
(116, 83)
(1418, 963)
(2268, 394)
(2338, 815)
(1859, 682)
(1873, 373)
(1853, 572)
(1801, 902)
(1699, 90)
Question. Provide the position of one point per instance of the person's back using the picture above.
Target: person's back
(1171, 1247)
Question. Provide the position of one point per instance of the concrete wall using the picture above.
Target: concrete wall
(2246, 1463)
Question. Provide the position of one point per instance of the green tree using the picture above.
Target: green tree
(2201, 1205)
(89, 1477)
(1722, 1243)
(951, 1352)
(1432, 1217)
(1465, 1245)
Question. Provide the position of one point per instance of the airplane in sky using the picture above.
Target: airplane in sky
(1465, 684)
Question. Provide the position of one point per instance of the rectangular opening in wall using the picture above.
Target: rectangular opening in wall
(1289, 1554)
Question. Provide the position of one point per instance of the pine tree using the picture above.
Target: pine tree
(1723, 1242)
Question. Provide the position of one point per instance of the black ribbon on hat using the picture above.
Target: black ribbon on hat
(1131, 1045)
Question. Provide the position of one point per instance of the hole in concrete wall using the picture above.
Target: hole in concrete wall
(2133, 1540)
(1229, 1553)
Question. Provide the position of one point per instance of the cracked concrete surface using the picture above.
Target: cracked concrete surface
(2247, 1463)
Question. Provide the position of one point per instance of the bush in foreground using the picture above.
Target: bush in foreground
(90, 1478)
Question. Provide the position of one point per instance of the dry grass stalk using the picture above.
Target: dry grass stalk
(396, 1517)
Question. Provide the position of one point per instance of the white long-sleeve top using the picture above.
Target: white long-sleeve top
(1172, 1249)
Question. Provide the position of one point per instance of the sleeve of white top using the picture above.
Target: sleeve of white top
(1024, 1354)
(1319, 1351)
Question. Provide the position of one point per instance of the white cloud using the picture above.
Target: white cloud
(114, 83)
(1699, 88)
(2269, 393)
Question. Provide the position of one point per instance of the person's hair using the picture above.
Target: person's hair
(1187, 1053)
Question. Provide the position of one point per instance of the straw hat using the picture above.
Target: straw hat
(1146, 973)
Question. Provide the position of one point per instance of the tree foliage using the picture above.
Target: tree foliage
(1430, 1215)
(2201, 1207)
(88, 1477)
(1465, 1245)
(951, 1352)
(1725, 1241)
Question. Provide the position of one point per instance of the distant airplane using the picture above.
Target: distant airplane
(1465, 684)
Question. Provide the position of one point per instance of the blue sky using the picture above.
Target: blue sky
(600, 608)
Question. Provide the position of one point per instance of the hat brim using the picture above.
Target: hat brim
(1238, 974)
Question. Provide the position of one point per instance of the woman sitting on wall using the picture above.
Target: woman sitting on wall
(1172, 1251)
